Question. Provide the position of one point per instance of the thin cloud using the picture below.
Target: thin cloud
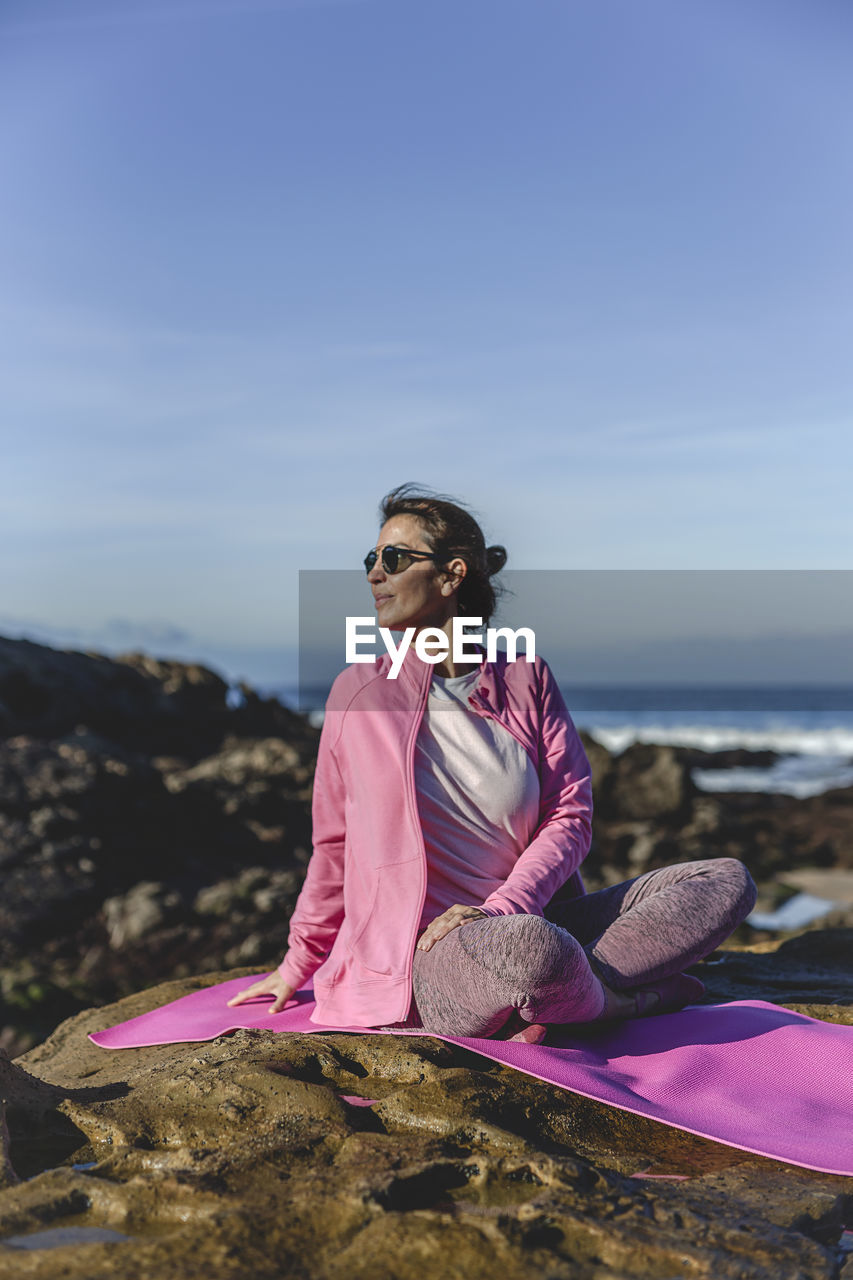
(14, 627)
(115, 633)
(129, 631)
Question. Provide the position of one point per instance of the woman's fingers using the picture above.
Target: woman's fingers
(266, 987)
(242, 996)
(274, 986)
(281, 999)
(450, 919)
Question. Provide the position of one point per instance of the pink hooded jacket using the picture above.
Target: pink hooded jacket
(355, 923)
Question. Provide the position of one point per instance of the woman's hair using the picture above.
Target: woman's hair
(452, 531)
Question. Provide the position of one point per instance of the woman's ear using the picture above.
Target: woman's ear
(457, 570)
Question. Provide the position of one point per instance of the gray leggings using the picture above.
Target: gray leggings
(550, 970)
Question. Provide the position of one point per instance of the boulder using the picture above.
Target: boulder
(644, 781)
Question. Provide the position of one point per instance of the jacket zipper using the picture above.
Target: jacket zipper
(413, 810)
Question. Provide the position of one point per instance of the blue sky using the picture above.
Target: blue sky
(585, 265)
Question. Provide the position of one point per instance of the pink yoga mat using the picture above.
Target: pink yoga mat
(748, 1074)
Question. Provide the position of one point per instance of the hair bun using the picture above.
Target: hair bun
(495, 559)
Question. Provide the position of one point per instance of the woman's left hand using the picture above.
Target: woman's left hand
(450, 919)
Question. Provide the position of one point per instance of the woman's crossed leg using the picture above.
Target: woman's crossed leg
(573, 966)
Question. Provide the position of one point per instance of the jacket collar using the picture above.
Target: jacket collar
(416, 676)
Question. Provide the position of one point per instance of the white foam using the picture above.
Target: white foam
(799, 776)
(802, 909)
(830, 740)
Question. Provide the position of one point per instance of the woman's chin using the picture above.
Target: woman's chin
(385, 618)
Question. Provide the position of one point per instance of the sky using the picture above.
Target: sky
(584, 265)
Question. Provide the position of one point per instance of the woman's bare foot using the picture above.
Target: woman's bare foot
(668, 994)
(665, 996)
(618, 1005)
(533, 1033)
(515, 1028)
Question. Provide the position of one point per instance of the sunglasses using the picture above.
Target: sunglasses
(396, 559)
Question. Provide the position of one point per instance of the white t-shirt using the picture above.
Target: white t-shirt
(478, 797)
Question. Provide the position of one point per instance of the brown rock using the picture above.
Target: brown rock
(645, 781)
(7, 1174)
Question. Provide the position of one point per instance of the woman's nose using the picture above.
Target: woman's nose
(377, 573)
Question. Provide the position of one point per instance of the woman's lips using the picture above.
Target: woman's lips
(378, 600)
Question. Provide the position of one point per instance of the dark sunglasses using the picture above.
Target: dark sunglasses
(396, 559)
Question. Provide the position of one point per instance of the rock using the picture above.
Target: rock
(148, 906)
(264, 784)
(644, 781)
(8, 1177)
(153, 705)
(730, 758)
(810, 972)
(241, 763)
(73, 813)
(47, 692)
(243, 1156)
(600, 759)
(255, 890)
(122, 774)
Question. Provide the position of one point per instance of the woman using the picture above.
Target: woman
(451, 810)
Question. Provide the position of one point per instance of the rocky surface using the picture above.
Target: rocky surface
(257, 1155)
(147, 828)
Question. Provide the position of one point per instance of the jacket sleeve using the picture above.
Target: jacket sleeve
(562, 839)
(319, 909)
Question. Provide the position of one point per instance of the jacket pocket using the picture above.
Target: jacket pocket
(366, 914)
(380, 937)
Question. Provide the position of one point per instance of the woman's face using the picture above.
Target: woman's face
(419, 596)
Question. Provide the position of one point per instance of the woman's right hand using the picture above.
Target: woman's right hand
(273, 985)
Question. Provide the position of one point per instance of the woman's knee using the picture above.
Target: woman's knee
(732, 888)
(733, 885)
(739, 882)
(523, 951)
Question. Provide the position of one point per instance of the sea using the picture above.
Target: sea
(809, 727)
